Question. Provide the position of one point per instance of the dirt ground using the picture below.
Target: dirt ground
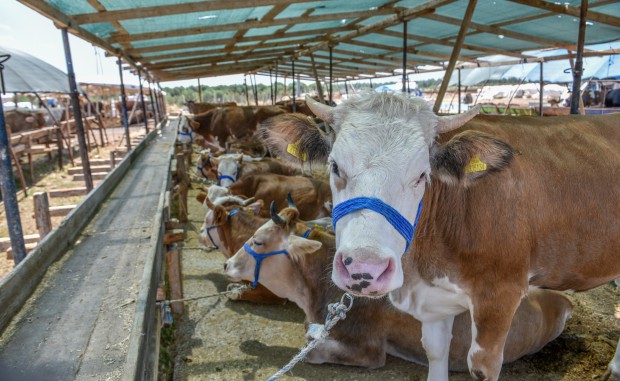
(49, 177)
(218, 339)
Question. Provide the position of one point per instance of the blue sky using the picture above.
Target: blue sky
(24, 29)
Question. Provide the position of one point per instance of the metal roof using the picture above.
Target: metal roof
(183, 39)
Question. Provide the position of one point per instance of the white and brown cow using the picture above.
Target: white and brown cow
(300, 277)
(503, 204)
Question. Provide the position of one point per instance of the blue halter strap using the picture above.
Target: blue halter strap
(209, 228)
(397, 220)
(259, 259)
(201, 169)
(307, 233)
(221, 177)
(190, 134)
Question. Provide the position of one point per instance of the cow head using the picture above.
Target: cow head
(380, 151)
(228, 168)
(266, 256)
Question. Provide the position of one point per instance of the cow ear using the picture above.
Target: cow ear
(201, 197)
(296, 138)
(300, 246)
(255, 207)
(469, 156)
(219, 215)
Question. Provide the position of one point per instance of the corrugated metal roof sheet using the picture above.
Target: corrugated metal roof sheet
(182, 39)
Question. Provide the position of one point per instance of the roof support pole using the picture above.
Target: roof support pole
(77, 112)
(157, 101)
(254, 89)
(319, 88)
(404, 56)
(275, 90)
(370, 83)
(578, 71)
(199, 91)
(455, 53)
(541, 86)
(293, 82)
(143, 103)
(124, 105)
(7, 185)
(271, 87)
(245, 86)
(162, 99)
(459, 89)
(331, 94)
(155, 115)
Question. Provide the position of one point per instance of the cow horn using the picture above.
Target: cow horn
(291, 202)
(274, 215)
(324, 112)
(452, 122)
(248, 201)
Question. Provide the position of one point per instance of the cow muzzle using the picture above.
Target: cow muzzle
(363, 273)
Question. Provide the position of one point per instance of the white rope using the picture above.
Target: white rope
(230, 290)
(319, 332)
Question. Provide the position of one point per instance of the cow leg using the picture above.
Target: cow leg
(613, 371)
(436, 337)
(348, 351)
(491, 319)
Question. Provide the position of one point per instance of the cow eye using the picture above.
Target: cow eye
(420, 179)
(258, 243)
(334, 168)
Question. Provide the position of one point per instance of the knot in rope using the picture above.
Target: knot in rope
(319, 332)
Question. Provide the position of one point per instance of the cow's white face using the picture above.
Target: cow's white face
(380, 148)
(228, 169)
(383, 158)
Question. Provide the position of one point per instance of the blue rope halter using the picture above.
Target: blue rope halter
(307, 233)
(259, 259)
(190, 133)
(397, 220)
(201, 169)
(221, 177)
(209, 228)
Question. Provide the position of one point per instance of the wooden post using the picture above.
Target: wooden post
(331, 97)
(578, 71)
(124, 105)
(319, 88)
(112, 160)
(293, 82)
(456, 51)
(183, 181)
(199, 91)
(542, 85)
(174, 281)
(42, 215)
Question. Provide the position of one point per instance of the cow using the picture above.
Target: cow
(612, 98)
(313, 196)
(502, 204)
(198, 107)
(21, 120)
(233, 167)
(299, 276)
(228, 222)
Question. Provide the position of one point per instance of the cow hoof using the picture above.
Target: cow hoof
(478, 375)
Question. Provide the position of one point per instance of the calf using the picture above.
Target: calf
(502, 204)
(228, 222)
(19, 120)
(231, 168)
(312, 196)
(300, 275)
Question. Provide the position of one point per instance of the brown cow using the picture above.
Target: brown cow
(199, 108)
(21, 120)
(233, 167)
(228, 223)
(312, 196)
(511, 202)
(300, 277)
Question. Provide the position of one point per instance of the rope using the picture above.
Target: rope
(230, 290)
(318, 332)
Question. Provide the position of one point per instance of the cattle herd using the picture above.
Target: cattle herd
(457, 235)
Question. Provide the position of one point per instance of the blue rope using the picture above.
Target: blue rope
(259, 259)
(221, 177)
(209, 228)
(201, 169)
(400, 223)
(306, 234)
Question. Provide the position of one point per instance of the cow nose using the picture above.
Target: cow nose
(363, 272)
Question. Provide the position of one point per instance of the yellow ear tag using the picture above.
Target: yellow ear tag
(319, 228)
(293, 149)
(475, 165)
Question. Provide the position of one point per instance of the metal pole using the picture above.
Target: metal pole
(459, 89)
(271, 87)
(574, 104)
(540, 100)
(146, 120)
(77, 112)
(404, 56)
(245, 86)
(162, 99)
(124, 105)
(275, 91)
(199, 91)
(331, 101)
(293, 82)
(7, 185)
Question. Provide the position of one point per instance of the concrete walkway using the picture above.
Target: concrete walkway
(77, 324)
